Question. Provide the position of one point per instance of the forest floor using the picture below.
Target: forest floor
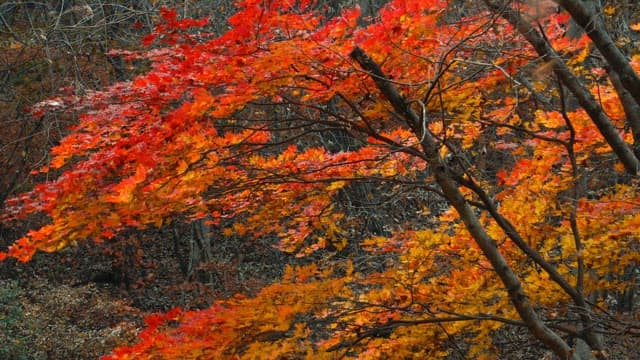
(63, 306)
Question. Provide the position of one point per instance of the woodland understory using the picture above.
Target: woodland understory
(331, 179)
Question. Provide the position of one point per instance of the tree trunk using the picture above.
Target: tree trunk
(584, 14)
(450, 190)
(571, 81)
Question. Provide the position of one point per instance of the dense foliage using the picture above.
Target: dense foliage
(527, 128)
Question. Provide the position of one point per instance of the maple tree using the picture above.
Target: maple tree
(488, 105)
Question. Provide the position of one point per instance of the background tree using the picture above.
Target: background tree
(46, 52)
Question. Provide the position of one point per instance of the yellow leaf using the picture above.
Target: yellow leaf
(619, 167)
(609, 10)
(182, 166)
(239, 228)
(123, 196)
(336, 185)
(58, 162)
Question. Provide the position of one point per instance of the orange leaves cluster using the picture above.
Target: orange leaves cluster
(277, 322)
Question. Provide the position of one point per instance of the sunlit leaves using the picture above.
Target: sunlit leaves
(227, 128)
(278, 318)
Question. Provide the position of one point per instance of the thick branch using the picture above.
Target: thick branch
(571, 81)
(585, 15)
(631, 109)
(590, 105)
(454, 196)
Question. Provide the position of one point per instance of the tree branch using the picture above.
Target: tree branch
(456, 199)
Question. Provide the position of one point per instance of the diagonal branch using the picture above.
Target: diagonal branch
(584, 13)
(571, 81)
(453, 195)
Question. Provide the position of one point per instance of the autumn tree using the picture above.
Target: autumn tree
(52, 48)
(527, 134)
